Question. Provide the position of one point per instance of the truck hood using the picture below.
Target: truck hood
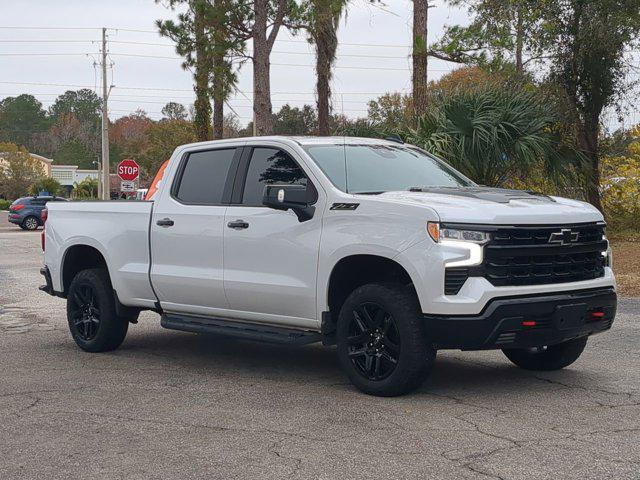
(484, 205)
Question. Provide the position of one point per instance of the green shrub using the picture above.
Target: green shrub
(4, 204)
(46, 184)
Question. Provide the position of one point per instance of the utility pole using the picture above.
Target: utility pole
(105, 122)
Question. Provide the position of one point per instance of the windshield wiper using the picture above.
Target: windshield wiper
(367, 193)
(429, 187)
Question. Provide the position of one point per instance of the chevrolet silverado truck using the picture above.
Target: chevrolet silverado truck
(374, 246)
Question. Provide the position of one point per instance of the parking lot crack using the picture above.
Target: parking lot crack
(627, 395)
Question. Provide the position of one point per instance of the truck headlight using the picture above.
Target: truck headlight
(462, 239)
(440, 234)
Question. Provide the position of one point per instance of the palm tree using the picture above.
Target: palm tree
(494, 134)
(324, 17)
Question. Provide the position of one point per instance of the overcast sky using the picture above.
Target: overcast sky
(373, 57)
(40, 55)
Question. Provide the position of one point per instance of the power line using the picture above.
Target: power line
(5, 27)
(282, 40)
(121, 87)
(347, 67)
(45, 54)
(47, 84)
(48, 40)
(281, 100)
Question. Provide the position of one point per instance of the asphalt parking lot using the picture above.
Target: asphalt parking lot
(177, 405)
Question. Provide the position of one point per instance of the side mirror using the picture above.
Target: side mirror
(298, 198)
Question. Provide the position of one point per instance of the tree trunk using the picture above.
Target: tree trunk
(202, 104)
(588, 138)
(326, 43)
(420, 17)
(263, 122)
(220, 49)
(519, 41)
(218, 106)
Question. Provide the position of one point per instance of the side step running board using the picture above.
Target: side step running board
(229, 328)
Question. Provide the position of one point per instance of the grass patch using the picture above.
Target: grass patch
(626, 263)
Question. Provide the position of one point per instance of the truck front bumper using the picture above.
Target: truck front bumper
(526, 321)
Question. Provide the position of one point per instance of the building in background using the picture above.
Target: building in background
(68, 175)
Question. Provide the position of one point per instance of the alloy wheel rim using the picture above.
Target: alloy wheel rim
(373, 341)
(31, 224)
(85, 312)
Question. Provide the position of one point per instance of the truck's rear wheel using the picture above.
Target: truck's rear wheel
(91, 312)
(553, 357)
(381, 340)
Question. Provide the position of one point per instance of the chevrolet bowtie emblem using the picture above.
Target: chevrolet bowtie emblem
(565, 236)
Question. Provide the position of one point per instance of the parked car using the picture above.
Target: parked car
(373, 245)
(141, 193)
(27, 211)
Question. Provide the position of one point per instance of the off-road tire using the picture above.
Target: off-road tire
(554, 357)
(416, 356)
(110, 330)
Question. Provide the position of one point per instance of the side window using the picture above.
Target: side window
(270, 166)
(204, 176)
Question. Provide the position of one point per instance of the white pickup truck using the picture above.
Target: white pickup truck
(371, 245)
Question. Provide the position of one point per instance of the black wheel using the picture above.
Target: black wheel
(91, 312)
(30, 223)
(381, 340)
(553, 357)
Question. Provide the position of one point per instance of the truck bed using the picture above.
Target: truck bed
(118, 230)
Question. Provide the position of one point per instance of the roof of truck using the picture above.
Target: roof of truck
(300, 140)
(307, 140)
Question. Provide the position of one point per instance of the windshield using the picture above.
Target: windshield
(379, 168)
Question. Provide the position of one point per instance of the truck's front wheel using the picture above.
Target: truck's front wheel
(381, 340)
(553, 357)
(91, 312)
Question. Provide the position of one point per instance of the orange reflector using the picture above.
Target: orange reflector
(529, 323)
(434, 230)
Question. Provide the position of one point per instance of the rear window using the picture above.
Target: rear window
(204, 176)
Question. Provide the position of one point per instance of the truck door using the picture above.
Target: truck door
(187, 228)
(271, 258)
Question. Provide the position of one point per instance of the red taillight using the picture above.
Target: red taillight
(44, 214)
(15, 208)
(42, 240)
(529, 323)
(597, 315)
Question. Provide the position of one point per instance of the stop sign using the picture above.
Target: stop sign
(128, 170)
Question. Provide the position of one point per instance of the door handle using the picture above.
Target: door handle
(165, 222)
(238, 225)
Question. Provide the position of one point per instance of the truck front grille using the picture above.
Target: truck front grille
(537, 256)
